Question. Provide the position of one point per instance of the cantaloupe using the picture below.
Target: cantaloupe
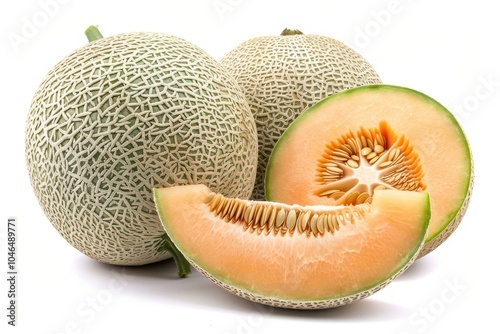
(283, 75)
(304, 257)
(124, 114)
(377, 136)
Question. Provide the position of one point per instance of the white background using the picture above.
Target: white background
(447, 49)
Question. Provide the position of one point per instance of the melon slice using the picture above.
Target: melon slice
(375, 137)
(293, 256)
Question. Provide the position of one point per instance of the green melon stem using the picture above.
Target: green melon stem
(93, 33)
(183, 267)
(288, 32)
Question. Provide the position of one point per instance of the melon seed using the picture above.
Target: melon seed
(265, 215)
(215, 201)
(226, 209)
(351, 198)
(374, 160)
(291, 220)
(341, 153)
(348, 149)
(235, 208)
(334, 222)
(329, 192)
(340, 218)
(247, 213)
(272, 218)
(352, 163)
(385, 164)
(221, 205)
(337, 194)
(305, 220)
(365, 151)
(209, 197)
(319, 223)
(240, 211)
(280, 218)
(258, 214)
(362, 198)
(251, 214)
(370, 143)
(323, 221)
(334, 169)
(379, 148)
(371, 155)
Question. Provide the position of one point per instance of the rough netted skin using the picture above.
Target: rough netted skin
(284, 75)
(122, 115)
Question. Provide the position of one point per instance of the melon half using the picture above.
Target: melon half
(304, 257)
(375, 137)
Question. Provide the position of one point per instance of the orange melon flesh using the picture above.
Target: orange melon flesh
(356, 258)
(432, 131)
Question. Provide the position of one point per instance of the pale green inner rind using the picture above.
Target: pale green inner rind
(466, 187)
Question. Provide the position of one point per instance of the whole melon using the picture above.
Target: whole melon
(125, 114)
(287, 74)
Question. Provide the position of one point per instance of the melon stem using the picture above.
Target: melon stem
(183, 267)
(288, 32)
(93, 33)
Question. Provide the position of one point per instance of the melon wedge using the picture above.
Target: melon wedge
(376, 136)
(291, 256)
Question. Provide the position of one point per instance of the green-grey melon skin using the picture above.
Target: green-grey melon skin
(284, 75)
(123, 115)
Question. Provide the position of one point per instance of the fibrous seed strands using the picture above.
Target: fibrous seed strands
(392, 159)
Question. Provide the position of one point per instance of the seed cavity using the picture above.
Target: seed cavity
(372, 159)
(266, 217)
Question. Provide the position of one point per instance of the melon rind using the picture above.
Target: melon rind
(303, 304)
(433, 242)
(282, 76)
(124, 114)
(253, 294)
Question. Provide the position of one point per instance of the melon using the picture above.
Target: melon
(124, 114)
(283, 75)
(375, 137)
(291, 256)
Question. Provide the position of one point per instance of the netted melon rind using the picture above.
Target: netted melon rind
(284, 75)
(122, 115)
(304, 304)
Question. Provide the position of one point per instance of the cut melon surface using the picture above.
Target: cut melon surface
(293, 256)
(376, 136)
